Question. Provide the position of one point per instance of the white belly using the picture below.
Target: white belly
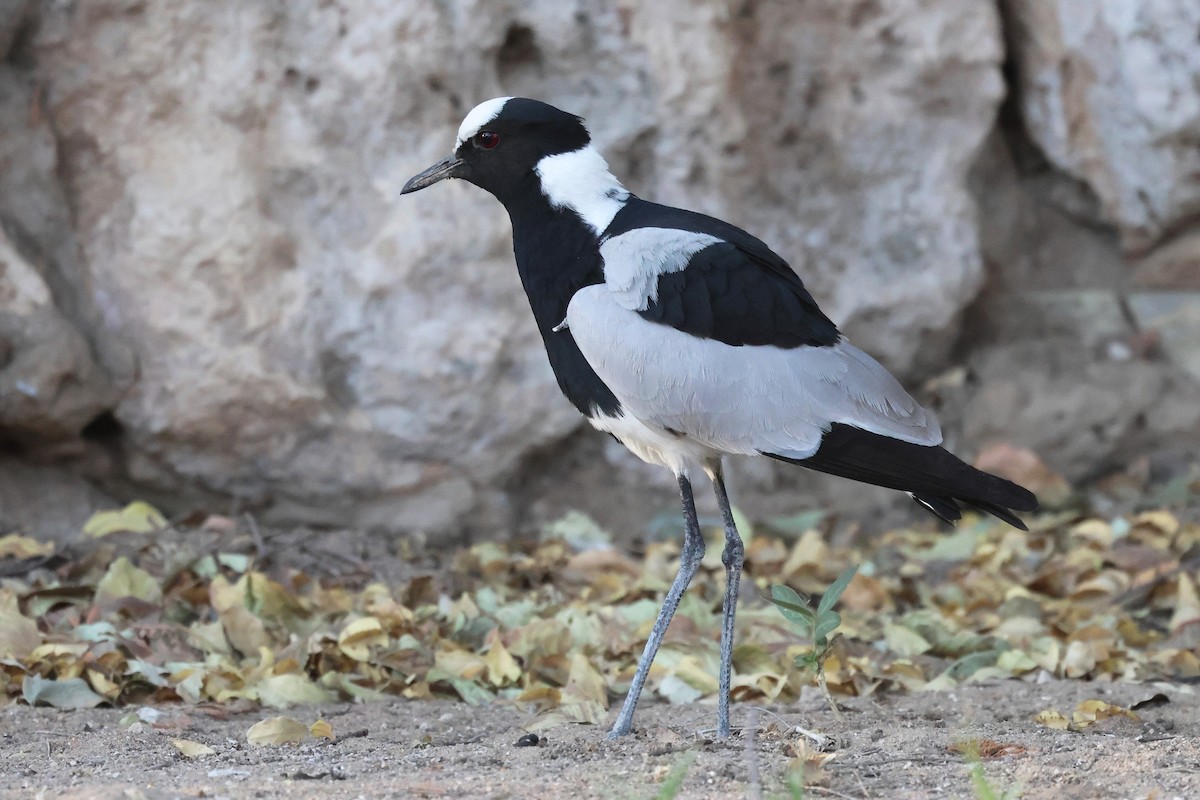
(655, 445)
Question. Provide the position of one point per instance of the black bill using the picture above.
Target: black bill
(450, 167)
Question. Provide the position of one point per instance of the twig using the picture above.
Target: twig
(833, 792)
(358, 734)
(764, 710)
(754, 791)
(821, 740)
(885, 761)
(837, 712)
(260, 549)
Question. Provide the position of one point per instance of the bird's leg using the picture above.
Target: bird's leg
(732, 557)
(689, 561)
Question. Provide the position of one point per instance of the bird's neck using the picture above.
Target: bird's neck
(556, 241)
(558, 214)
(580, 181)
(557, 254)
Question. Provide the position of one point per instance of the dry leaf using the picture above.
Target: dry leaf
(276, 731)
(190, 749)
(14, 545)
(357, 638)
(321, 730)
(502, 668)
(284, 691)
(987, 749)
(1091, 711)
(123, 579)
(19, 635)
(137, 517)
(1187, 604)
(1052, 718)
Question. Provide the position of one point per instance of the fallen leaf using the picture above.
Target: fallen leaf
(190, 749)
(321, 730)
(987, 749)
(14, 545)
(276, 731)
(905, 642)
(357, 638)
(585, 696)
(284, 691)
(137, 517)
(1091, 711)
(502, 668)
(19, 635)
(71, 694)
(123, 579)
(578, 530)
(1052, 718)
(1187, 604)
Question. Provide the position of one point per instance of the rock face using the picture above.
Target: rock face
(1108, 91)
(221, 261)
(50, 386)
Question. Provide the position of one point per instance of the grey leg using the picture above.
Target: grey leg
(689, 562)
(732, 557)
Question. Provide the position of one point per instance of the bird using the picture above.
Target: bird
(688, 340)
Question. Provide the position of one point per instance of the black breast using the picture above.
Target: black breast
(557, 255)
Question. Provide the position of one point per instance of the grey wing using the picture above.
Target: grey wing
(740, 399)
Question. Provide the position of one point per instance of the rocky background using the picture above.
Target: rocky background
(211, 293)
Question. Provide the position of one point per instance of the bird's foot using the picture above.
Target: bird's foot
(618, 731)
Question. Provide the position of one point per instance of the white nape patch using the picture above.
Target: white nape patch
(680, 454)
(580, 181)
(479, 116)
(634, 261)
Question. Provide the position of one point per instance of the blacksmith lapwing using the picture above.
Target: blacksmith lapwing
(687, 338)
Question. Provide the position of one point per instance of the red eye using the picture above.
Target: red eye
(486, 140)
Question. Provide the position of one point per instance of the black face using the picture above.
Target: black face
(501, 156)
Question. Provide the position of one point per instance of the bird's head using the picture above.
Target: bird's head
(501, 142)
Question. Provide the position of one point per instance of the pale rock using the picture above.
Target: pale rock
(1108, 91)
(841, 136)
(50, 386)
(311, 343)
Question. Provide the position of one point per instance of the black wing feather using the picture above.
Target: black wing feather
(739, 292)
(933, 475)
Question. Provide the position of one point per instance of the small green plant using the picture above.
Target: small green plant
(818, 625)
(674, 780)
(984, 790)
(795, 784)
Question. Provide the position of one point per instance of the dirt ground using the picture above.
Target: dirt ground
(891, 746)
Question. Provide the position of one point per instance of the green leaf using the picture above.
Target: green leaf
(69, 694)
(472, 692)
(807, 661)
(797, 524)
(970, 664)
(834, 592)
(792, 605)
(827, 623)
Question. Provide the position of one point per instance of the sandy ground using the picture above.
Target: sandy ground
(893, 746)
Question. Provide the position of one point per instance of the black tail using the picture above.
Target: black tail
(936, 478)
